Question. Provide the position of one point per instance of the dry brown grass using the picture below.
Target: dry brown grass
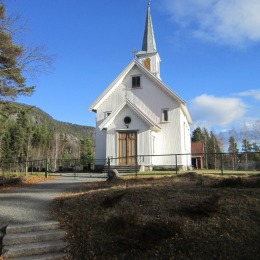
(188, 216)
(33, 179)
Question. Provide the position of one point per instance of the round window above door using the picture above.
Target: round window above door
(127, 121)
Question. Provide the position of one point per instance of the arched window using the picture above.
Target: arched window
(147, 63)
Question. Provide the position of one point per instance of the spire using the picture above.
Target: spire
(149, 45)
(148, 56)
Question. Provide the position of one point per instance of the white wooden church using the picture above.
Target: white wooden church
(139, 118)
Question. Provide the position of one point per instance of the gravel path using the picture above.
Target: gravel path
(30, 204)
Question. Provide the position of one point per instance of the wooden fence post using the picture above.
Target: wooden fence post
(46, 168)
(176, 163)
(222, 166)
(108, 164)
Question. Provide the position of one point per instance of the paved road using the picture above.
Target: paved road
(30, 204)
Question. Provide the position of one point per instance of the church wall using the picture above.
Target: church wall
(150, 93)
(152, 96)
(186, 141)
(137, 124)
(169, 140)
(100, 150)
(186, 136)
(111, 103)
(102, 140)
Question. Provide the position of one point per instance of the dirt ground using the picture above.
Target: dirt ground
(186, 216)
(28, 181)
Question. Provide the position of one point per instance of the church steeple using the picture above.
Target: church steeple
(149, 44)
(149, 56)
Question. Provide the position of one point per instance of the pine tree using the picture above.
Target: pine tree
(246, 148)
(255, 147)
(16, 138)
(213, 149)
(256, 150)
(87, 151)
(197, 135)
(211, 146)
(232, 145)
(233, 150)
(206, 140)
(12, 82)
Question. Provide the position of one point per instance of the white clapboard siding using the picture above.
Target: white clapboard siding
(172, 137)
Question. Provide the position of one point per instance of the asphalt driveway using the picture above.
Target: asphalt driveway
(31, 204)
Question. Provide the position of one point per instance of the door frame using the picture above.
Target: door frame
(127, 160)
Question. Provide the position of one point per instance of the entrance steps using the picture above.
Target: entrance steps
(41, 241)
(123, 169)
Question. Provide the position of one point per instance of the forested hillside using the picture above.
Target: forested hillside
(28, 133)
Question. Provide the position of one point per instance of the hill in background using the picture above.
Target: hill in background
(40, 117)
(28, 133)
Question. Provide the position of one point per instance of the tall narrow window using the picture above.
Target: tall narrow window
(153, 144)
(136, 82)
(185, 138)
(147, 63)
(165, 115)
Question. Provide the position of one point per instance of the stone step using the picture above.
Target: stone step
(33, 237)
(40, 226)
(34, 249)
(54, 256)
(123, 169)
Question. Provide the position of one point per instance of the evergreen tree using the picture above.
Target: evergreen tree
(12, 82)
(7, 151)
(87, 151)
(255, 147)
(206, 140)
(15, 60)
(10, 142)
(256, 150)
(213, 149)
(41, 139)
(197, 135)
(16, 139)
(211, 146)
(233, 150)
(246, 148)
(232, 145)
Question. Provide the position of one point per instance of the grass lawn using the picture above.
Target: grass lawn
(184, 216)
(202, 171)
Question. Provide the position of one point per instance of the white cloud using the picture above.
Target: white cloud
(232, 22)
(255, 93)
(216, 111)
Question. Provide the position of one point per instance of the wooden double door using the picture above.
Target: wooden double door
(127, 147)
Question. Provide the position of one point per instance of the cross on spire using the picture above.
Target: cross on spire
(149, 44)
(134, 51)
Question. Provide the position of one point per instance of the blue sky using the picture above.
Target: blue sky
(210, 51)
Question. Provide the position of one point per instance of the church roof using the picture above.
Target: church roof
(149, 44)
